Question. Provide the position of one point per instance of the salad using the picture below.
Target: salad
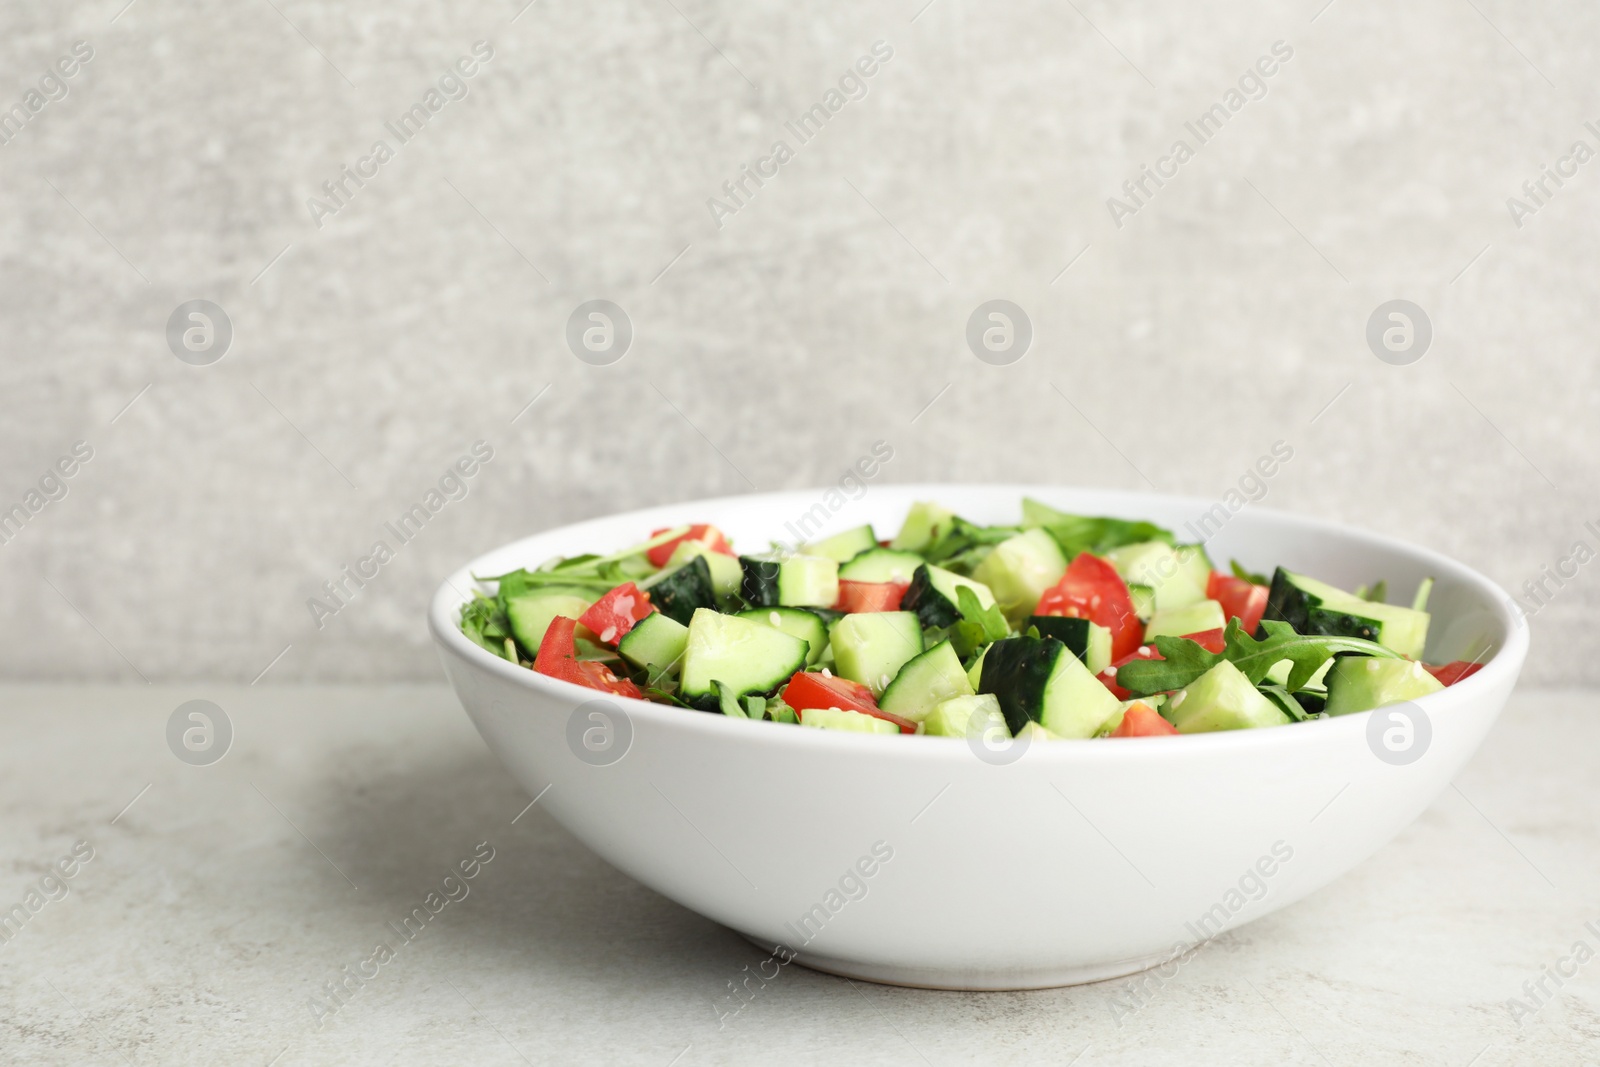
(1061, 626)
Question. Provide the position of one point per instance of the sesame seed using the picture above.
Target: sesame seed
(774, 618)
(1178, 698)
(608, 634)
(826, 673)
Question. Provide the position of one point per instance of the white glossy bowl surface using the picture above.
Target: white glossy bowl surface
(1079, 861)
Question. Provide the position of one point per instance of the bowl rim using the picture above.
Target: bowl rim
(1500, 668)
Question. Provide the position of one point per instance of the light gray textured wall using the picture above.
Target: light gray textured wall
(827, 312)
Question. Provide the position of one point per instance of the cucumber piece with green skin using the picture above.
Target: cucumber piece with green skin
(655, 643)
(808, 581)
(844, 546)
(1020, 569)
(1088, 641)
(1174, 579)
(954, 717)
(1361, 683)
(881, 565)
(926, 681)
(1194, 618)
(1221, 699)
(745, 656)
(796, 622)
(851, 721)
(925, 523)
(975, 669)
(1037, 679)
(1314, 607)
(871, 647)
(796, 581)
(932, 595)
(1144, 600)
(529, 615)
(726, 574)
(679, 594)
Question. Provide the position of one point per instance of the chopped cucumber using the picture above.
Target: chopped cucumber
(1088, 641)
(845, 546)
(975, 670)
(797, 581)
(1020, 569)
(726, 573)
(1036, 678)
(1314, 607)
(796, 622)
(1195, 618)
(678, 594)
(1144, 600)
(932, 595)
(745, 656)
(530, 615)
(925, 523)
(881, 565)
(924, 682)
(852, 721)
(954, 717)
(871, 647)
(1034, 732)
(1221, 699)
(1173, 579)
(655, 643)
(1361, 683)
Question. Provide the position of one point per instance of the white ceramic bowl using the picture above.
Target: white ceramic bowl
(913, 860)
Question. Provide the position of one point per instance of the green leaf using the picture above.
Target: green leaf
(1184, 660)
(1240, 572)
(728, 702)
(483, 620)
(778, 711)
(1087, 533)
(978, 626)
(1285, 700)
(1379, 594)
(755, 706)
(965, 539)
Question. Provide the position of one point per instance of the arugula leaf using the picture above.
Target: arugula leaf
(962, 538)
(728, 702)
(1285, 700)
(1088, 533)
(978, 626)
(755, 706)
(1184, 660)
(523, 582)
(484, 621)
(1249, 576)
(1378, 594)
(663, 696)
(778, 711)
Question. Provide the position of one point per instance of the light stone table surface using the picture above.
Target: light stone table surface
(220, 899)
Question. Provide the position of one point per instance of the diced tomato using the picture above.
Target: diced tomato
(1092, 589)
(615, 613)
(1240, 599)
(869, 596)
(558, 658)
(1142, 720)
(1210, 640)
(810, 689)
(1451, 673)
(706, 534)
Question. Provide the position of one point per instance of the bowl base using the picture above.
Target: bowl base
(969, 980)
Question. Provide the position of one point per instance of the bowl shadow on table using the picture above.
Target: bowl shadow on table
(543, 903)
